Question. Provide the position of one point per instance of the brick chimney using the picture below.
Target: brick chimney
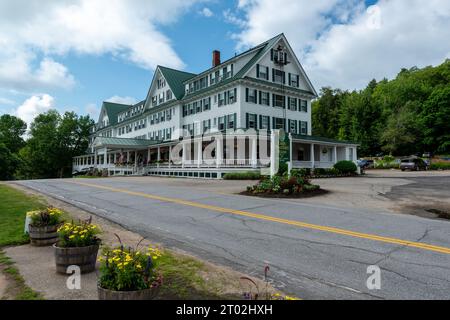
(216, 58)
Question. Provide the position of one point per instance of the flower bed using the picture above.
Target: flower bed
(282, 186)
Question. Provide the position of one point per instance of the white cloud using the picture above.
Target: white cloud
(343, 44)
(30, 29)
(206, 12)
(122, 100)
(33, 106)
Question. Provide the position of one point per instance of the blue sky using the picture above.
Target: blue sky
(74, 57)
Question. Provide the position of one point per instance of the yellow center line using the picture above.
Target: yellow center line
(350, 233)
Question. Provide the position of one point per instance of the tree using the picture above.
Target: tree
(436, 120)
(54, 141)
(12, 130)
(403, 132)
(8, 163)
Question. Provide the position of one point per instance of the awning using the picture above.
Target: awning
(321, 140)
(123, 143)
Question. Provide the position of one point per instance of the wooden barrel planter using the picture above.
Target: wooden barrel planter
(83, 257)
(146, 294)
(43, 236)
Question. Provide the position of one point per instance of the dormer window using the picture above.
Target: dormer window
(279, 55)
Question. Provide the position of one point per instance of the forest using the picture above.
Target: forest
(403, 116)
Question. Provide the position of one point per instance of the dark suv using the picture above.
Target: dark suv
(413, 164)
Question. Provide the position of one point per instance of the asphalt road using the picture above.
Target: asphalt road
(314, 251)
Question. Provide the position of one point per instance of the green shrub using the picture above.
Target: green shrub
(440, 166)
(345, 166)
(282, 169)
(249, 175)
(303, 172)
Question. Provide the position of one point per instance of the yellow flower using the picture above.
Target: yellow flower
(72, 236)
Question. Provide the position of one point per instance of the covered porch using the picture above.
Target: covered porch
(317, 152)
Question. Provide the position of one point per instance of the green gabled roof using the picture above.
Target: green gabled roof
(263, 48)
(321, 139)
(175, 79)
(113, 109)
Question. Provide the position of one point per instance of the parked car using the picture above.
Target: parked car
(413, 164)
(365, 164)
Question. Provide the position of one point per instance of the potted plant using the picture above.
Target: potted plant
(128, 274)
(78, 245)
(43, 226)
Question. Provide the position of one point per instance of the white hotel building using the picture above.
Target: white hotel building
(262, 89)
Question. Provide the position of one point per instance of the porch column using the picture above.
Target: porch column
(170, 156)
(95, 158)
(290, 155)
(128, 157)
(274, 152)
(199, 153)
(183, 158)
(254, 152)
(312, 156)
(219, 152)
(105, 158)
(148, 156)
(335, 154)
(158, 157)
(135, 159)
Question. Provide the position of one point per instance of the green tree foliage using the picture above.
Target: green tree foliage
(54, 141)
(8, 163)
(12, 130)
(409, 114)
(436, 120)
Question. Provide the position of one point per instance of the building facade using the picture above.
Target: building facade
(234, 110)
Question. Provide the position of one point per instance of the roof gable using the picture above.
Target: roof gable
(271, 44)
(112, 110)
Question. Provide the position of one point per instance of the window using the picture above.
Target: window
(303, 105)
(264, 122)
(232, 96)
(262, 72)
(292, 126)
(184, 110)
(207, 104)
(278, 123)
(212, 79)
(221, 98)
(203, 83)
(231, 123)
(168, 95)
(221, 123)
(292, 104)
(303, 127)
(197, 107)
(264, 98)
(206, 125)
(279, 101)
(278, 76)
(154, 101)
(251, 121)
(294, 80)
(250, 95)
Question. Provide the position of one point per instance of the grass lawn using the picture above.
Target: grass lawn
(13, 206)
